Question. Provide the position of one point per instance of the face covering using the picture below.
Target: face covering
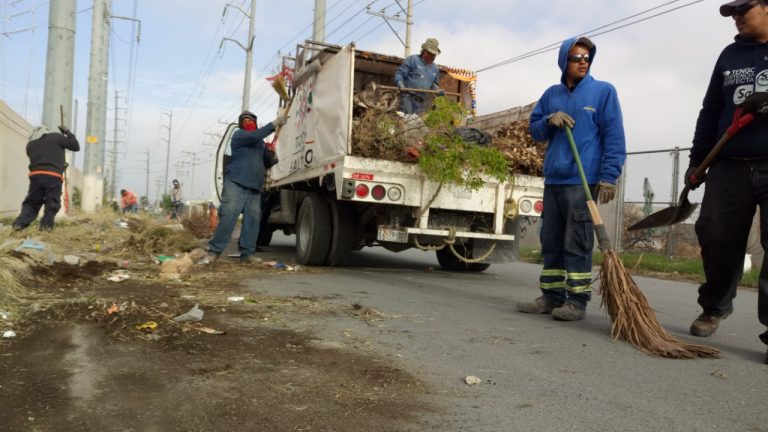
(250, 127)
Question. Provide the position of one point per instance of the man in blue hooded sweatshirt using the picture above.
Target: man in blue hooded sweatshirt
(737, 181)
(591, 108)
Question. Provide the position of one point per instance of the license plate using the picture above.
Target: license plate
(390, 235)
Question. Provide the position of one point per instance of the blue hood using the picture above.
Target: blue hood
(562, 58)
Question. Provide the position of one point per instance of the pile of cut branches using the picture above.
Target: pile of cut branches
(523, 154)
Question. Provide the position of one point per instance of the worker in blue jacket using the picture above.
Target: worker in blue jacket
(591, 108)
(419, 71)
(737, 180)
(243, 184)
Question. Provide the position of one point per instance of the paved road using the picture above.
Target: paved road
(538, 374)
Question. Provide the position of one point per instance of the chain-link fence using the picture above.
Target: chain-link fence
(651, 181)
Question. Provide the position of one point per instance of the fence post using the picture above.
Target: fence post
(672, 230)
(619, 225)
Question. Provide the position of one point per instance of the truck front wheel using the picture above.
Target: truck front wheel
(448, 261)
(313, 234)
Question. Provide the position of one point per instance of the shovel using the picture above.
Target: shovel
(675, 214)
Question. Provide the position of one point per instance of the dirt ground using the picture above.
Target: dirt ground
(81, 360)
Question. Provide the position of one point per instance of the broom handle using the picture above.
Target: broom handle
(602, 234)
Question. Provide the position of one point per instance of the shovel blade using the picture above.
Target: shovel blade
(668, 216)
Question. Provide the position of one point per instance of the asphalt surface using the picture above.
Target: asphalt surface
(537, 374)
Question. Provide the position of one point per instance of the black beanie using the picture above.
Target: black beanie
(245, 114)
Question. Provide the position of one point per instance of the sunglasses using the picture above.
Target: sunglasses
(743, 9)
(578, 58)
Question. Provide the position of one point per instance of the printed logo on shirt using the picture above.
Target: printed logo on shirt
(738, 76)
(742, 92)
(590, 108)
(761, 81)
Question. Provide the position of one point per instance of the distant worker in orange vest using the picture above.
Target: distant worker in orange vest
(129, 203)
(46, 169)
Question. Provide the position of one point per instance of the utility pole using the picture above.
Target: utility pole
(147, 153)
(396, 17)
(113, 161)
(59, 65)
(318, 29)
(59, 70)
(169, 113)
(194, 163)
(248, 48)
(93, 172)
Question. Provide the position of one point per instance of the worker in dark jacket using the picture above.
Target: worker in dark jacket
(737, 181)
(47, 164)
(243, 183)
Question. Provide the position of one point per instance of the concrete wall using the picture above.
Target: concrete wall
(14, 164)
(14, 134)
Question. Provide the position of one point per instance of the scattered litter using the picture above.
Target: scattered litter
(234, 255)
(194, 314)
(124, 264)
(96, 247)
(210, 330)
(30, 244)
(5, 315)
(163, 258)
(717, 373)
(187, 296)
(118, 276)
(113, 309)
(280, 266)
(122, 224)
(10, 334)
(148, 326)
(71, 259)
(235, 298)
(198, 254)
(472, 380)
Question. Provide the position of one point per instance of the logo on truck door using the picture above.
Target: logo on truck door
(302, 155)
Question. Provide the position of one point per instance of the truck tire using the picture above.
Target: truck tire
(449, 262)
(342, 233)
(313, 233)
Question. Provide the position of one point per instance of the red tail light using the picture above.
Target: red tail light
(361, 190)
(538, 206)
(378, 192)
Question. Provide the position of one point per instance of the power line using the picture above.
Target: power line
(590, 33)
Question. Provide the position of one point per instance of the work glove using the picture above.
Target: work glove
(65, 130)
(400, 85)
(756, 103)
(280, 121)
(561, 120)
(606, 192)
(693, 184)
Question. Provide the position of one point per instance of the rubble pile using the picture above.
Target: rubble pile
(523, 154)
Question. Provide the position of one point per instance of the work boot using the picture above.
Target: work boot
(213, 256)
(250, 259)
(705, 325)
(568, 312)
(542, 305)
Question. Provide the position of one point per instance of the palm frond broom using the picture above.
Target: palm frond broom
(633, 320)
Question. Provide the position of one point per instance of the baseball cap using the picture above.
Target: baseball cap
(729, 8)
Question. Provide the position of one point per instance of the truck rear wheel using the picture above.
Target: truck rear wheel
(342, 233)
(448, 261)
(313, 232)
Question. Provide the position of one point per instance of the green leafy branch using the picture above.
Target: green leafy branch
(447, 159)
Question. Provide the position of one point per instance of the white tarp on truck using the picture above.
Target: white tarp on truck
(318, 127)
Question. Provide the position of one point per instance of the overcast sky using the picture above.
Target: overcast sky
(660, 67)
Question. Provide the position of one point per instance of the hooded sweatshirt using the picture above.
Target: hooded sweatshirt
(598, 132)
(46, 150)
(741, 69)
